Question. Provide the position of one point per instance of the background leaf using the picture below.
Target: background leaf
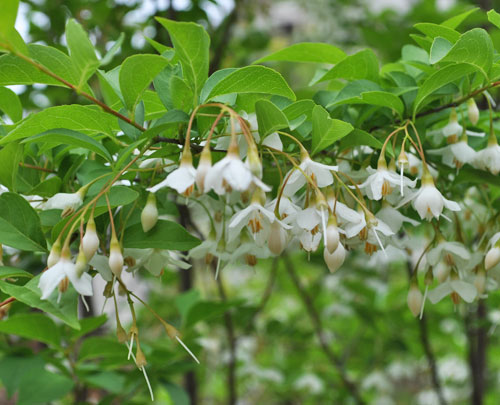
(32, 326)
(306, 52)
(326, 130)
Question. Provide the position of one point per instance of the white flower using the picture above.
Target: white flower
(465, 290)
(277, 238)
(382, 182)
(450, 251)
(455, 155)
(393, 218)
(230, 173)
(428, 201)
(335, 259)
(492, 257)
(488, 158)
(318, 172)
(273, 141)
(51, 278)
(181, 179)
(204, 166)
(415, 299)
(154, 260)
(68, 202)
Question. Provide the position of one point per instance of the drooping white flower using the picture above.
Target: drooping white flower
(455, 155)
(453, 129)
(115, 256)
(453, 253)
(382, 182)
(67, 202)
(181, 179)
(317, 172)
(64, 268)
(277, 238)
(392, 217)
(428, 201)
(204, 166)
(335, 259)
(455, 287)
(488, 158)
(153, 260)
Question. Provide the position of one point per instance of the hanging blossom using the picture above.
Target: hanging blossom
(181, 179)
(489, 157)
(67, 202)
(454, 287)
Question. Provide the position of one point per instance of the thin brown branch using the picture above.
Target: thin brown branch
(7, 301)
(320, 333)
(42, 169)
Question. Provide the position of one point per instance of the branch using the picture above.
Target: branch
(320, 333)
(429, 354)
(231, 338)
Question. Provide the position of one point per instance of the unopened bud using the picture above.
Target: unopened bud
(171, 331)
(140, 359)
(55, 254)
(253, 161)
(108, 290)
(149, 215)
(336, 259)
(204, 166)
(442, 272)
(115, 257)
(414, 299)
(472, 111)
(90, 241)
(333, 235)
(277, 238)
(81, 263)
(492, 258)
(480, 281)
(121, 335)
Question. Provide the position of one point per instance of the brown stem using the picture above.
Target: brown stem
(42, 169)
(7, 301)
(320, 332)
(231, 338)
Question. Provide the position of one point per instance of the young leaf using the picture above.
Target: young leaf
(113, 50)
(361, 65)
(191, 44)
(269, 117)
(58, 136)
(253, 79)
(359, 137)
(474, 47)
(19, 224)
(440, 48)
(326, 130)
(456, 20)
(165, 235)
(215, 78)
(494, 18)
(13, 272)
(87, 119)
(81, 51)
(435, 30)
(442, 77)
(29, 294)
(10, 104)
(32, 326)
(306, 52)
(136, 74)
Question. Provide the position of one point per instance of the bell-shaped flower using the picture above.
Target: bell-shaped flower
(181, 179)
(317, 172)
(454, 287)
(393, 218)
(334, 259)
(64, 269)
(489, 157)
(428, 201)
(308, 224)
(67, 202)
(382, 182)
(453, 129)
(149, 214)
(277, 239)
(153, 260)
(453, 254)
(456, 154)
(204, 166)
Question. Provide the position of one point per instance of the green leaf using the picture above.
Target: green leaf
(81, 51)
(95, 347)
(32, 326)
(8, 14)
(424, 42)
(269, 117)
(359, 137)
(19, 224)
(191, 44)
(118, 195)
(10, 156)
(88, 325)
(182, 95)
(414, 53)
(185, 301)
(442, 77)
(164, 235)
(29, 294)
(10, 104)
(361, 65)
(87, 119)
(439, 49)
(62, 136)
(326, 130)
(207, 310)
(435, 30)
(253, 79)
(306, 52)
(474, 47)
(113, 50)
(13, 272)
(215, 78)
(301, 107)
(455, 21)
(380, 98)
(48, 187)
(494, 18)
(136, 74)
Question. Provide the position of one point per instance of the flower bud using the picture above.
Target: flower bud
(140, 358)
(204, 166)
(442, 272)
(253, 161)
(108, 290)
(81, 263)
(472, 111)
(149, 215)
(492, 258)
(277, 238)
(55, 254)
(115, 257)
(90, 241)
(333, 235)
(480, 281)
(414, 299)
(336, 259)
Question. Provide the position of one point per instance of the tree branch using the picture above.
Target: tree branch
(320, 333)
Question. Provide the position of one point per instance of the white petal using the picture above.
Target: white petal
(274, 141)
(50, 279)
(83, 284)
(467, 291)
(438, 293)
(308, 218)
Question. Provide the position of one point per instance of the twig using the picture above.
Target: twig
(319, 330)
(42, 169)
(231, 337)
(429, 354)
(7, 301)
